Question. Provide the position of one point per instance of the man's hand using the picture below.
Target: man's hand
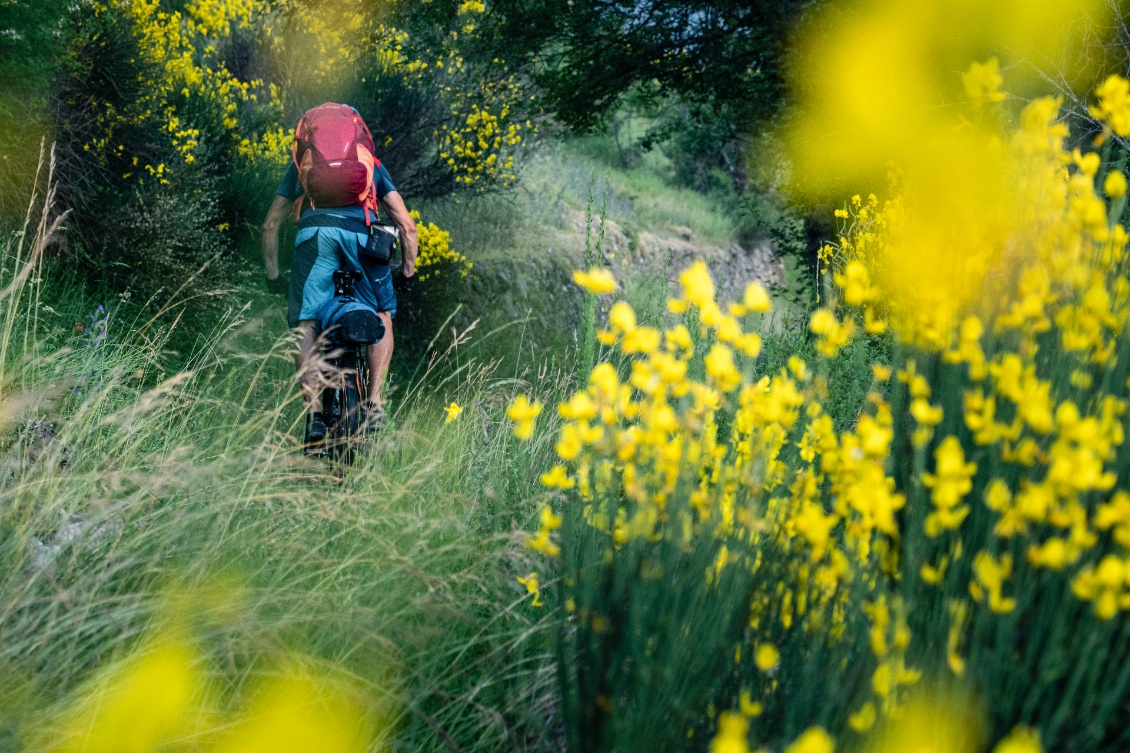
(278, 286)
(403, 282)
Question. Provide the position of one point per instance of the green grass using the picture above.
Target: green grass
(153, 484)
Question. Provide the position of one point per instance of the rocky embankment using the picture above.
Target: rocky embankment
(537, 288)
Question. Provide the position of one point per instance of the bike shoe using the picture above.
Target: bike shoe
(374, 421)
(315, 430)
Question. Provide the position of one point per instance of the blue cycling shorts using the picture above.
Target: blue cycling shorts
(323, 246)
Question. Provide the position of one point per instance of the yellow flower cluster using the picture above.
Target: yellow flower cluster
(1113, 107)
(752, 455)
(213, 18)
(532, 587)
(159, 695)
(479, 142)
(1062, 307)
(185, 74)
(983, 81)
(436, 252)
(549, 523)
(273, 148)
(480, 146)
(331, 39)
(832, 333)
(189, 93)
(1002, 474)
(524, 413)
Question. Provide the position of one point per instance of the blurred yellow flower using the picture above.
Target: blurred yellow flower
(523, 413)
(864, 719)
(812, 740)
(622, 317)
(1114, 185)
(832, 333)
(1021, 740)
(532, 587)
(949, 484)
(756, 299)
(991, 574)
(453, 412)
(749, 707)
(798, 368)
(598, 281)
(983, 81)
(856, 283)
(1114, 104)
(570, 443)
(873, 84)
(299, 713)
(767, 657)
(732, 735)
(557, 478)
(139, 704)
(720, 366)
(698, 287)
(550, 521)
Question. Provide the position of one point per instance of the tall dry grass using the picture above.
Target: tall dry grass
(132, 499)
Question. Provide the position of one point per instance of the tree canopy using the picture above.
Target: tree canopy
(586, 54)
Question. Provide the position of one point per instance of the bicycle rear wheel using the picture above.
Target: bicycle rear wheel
(331, 414)
(346, 428)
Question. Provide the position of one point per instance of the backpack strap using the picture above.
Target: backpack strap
(298, 132)
(376, 201)
(294, 158)
(372, 201)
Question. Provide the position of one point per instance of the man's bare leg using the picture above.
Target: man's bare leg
(380, 356)
(306, 363)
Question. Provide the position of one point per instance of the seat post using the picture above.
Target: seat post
(343, 281)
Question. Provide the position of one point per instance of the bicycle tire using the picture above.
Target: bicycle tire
(343, 405)
(331, 412)
(346, 429)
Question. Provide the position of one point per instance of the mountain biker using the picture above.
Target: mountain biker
(325, 235)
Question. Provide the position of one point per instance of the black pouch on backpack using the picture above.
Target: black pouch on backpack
(382, 242)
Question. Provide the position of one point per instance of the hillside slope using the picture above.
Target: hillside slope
(525, 244)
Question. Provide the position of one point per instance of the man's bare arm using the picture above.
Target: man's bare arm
(398, 213)
(271, 224)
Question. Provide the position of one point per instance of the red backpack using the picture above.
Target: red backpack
(333, 151)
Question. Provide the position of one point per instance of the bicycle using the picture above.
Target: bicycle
(344, 399)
